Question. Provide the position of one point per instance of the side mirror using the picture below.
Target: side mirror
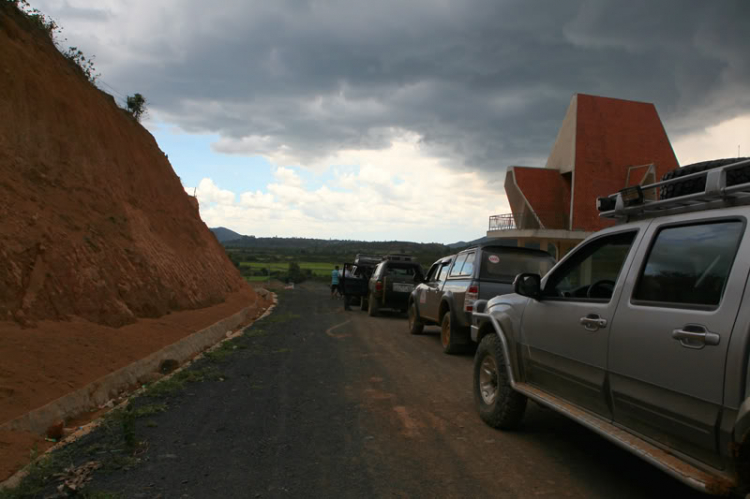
(529, 285)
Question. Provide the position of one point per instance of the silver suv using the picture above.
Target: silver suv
(642, 333)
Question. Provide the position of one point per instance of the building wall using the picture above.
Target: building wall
(562, 157)
(613, 135)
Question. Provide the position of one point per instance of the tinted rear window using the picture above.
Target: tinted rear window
(506, 263)
(403, 270)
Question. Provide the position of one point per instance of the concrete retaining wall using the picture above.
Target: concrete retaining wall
(104, 389)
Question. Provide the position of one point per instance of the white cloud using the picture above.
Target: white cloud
(287, 176)
(395, 193)
(719, 141)
(209, 192)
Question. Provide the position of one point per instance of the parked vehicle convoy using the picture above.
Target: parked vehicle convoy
(392, 282)
(642, 332)
(455, 282)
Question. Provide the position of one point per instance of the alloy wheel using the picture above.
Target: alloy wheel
(488, 385)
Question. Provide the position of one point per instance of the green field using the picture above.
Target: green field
(319, 269)
(256, 278)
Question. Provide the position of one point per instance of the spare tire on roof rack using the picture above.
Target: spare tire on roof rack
(692, 185)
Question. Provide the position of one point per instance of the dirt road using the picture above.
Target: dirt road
(318, 402)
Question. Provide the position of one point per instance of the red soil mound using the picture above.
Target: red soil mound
(98, 240)
(94, 223)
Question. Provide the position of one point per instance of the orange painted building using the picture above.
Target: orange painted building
(603, 145)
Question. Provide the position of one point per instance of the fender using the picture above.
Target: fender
(414, 298)
(512, 362)
(447, 299)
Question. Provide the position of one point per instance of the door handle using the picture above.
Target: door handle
(695, 336)
(593, 322)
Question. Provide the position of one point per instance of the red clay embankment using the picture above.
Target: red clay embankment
(103, 256)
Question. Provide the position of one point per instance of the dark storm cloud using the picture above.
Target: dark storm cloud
(486, 83)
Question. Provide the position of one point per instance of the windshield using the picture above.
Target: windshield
(504, 264)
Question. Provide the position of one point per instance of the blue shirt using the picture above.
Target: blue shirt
(334, 277)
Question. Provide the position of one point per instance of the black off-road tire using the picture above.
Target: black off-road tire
(693, 185)
(372, 306)
(449, 336)
(416, 326)
(506, 411)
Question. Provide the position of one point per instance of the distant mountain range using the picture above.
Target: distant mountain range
(231, 238)
(464, 244)
(224, 235)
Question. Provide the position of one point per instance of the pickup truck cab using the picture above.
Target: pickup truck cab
(455, 282)
(641, 333)
(392, 282)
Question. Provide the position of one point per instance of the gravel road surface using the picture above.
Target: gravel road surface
(318, 402)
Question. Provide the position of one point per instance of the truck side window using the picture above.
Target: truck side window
(456, 270)
(444, 271)
(593, 270)
(468, 268)
(433, 273)
(689, 264)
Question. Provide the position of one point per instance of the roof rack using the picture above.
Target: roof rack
(631, 203)
(367, 259)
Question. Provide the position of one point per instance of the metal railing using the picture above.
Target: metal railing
(502, 222)
(549, 220)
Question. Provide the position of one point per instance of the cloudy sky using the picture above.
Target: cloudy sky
(396, 119)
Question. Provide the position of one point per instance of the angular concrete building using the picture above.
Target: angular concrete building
(603, 145)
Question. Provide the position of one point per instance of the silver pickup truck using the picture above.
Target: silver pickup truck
(642, 333)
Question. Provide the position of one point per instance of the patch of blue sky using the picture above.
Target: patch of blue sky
(193, 159)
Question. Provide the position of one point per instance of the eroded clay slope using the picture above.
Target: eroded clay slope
(94, 222)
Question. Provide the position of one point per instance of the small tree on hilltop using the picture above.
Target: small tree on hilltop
(136, 106)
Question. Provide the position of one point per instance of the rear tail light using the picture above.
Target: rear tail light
(471, 295)
(378, 286)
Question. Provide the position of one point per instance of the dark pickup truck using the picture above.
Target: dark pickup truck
(455, 282)
(392, 282)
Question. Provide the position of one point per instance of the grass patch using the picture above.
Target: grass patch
(282, 350)
(40, 475)
(318, 269)
(149, 410)
(254, 332)
(176, 383)
(256, 278)
(114, 444)
(164, 388)
(222, 352)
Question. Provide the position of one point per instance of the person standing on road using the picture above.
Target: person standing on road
(335, 281)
